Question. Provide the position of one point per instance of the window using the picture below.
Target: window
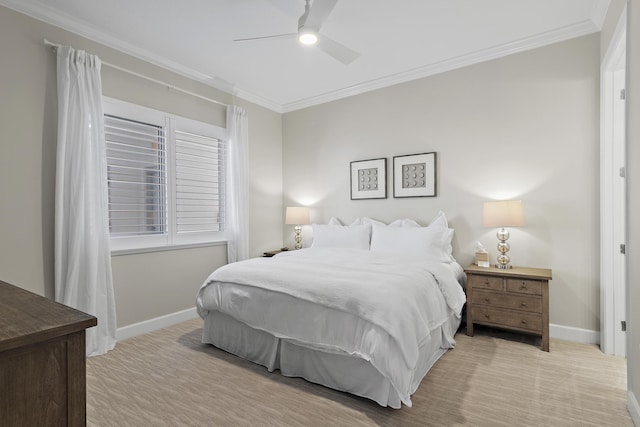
(165, 177)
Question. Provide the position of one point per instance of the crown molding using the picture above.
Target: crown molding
(257, 99)
(45, 13)
(528, 43)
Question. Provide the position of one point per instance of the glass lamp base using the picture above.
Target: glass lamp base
(298, 237)
(503, 247)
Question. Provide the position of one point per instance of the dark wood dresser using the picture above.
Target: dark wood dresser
(42, 360)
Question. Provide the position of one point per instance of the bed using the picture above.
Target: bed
(364, 321)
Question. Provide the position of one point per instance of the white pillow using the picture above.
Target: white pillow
(409, 240)
(433, 241)
(341, 236)
(440, 221)
(335, 221)
(446, 244)
(366, 220)
(404, 223)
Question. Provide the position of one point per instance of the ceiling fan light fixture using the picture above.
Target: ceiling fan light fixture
(308, 36)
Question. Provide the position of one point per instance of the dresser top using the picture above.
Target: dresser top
(516, 272)
(26, 318)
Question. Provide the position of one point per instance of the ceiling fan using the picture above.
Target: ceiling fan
(309, 24)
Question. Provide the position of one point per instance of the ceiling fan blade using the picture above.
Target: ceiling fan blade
(267, 37)
(320, 11)
(336, 50)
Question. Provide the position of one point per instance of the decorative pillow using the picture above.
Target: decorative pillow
(341, 236)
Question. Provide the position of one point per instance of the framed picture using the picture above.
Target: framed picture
(369, 179)
(414, 175)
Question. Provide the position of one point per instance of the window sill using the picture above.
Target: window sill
(119, 252)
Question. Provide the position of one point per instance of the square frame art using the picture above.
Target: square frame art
(369, 179)
(414, 175)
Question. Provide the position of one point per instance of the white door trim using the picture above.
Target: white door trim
(612, 229)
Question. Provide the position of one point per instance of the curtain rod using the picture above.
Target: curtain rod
(151, 79)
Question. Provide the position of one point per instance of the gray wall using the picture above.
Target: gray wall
(524, 126)
(146, 285)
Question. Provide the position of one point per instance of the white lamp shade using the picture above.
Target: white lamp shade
(505, 213)
(297, 216)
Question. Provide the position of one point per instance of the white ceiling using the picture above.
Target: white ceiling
(398, 40)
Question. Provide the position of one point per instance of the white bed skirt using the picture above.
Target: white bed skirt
(342, 372)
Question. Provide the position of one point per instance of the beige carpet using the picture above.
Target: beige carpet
(167, 378)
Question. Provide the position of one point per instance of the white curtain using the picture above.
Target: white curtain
(82, 255)
(237, 189)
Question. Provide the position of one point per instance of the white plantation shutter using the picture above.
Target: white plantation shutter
(165, 177)
(136, 177)
(199, 183)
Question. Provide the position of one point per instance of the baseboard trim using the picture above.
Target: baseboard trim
(564, 333)
(633, 407)
(568, 333)
(151, 325)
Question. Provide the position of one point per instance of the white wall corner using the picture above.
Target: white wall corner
(568, 333)
(151, 325)
(634, 408)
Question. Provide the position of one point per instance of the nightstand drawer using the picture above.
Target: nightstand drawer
(503, 300)
(508, 318)
(486, 282)
(524, 286)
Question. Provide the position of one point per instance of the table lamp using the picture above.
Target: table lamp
(297, 216)
(506, 213)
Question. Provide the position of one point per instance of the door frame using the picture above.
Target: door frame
(613, 272)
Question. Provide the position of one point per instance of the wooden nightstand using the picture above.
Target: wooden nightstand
(515, 299)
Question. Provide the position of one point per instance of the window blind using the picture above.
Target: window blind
(199, 182)
(136, 177)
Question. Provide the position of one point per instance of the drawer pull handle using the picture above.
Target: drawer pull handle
(486, 300)
(523, 304)
(486, 282)
(486, 315)
(524, 322)
(524, 285)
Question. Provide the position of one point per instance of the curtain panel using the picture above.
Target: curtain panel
(237, 190)
(82, 255)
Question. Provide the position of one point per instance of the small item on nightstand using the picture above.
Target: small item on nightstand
(482, 256)
(284, 249)
(269, 254)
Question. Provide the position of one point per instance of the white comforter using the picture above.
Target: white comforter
(380, 307)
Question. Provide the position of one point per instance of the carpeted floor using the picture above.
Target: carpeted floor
(168, 378)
